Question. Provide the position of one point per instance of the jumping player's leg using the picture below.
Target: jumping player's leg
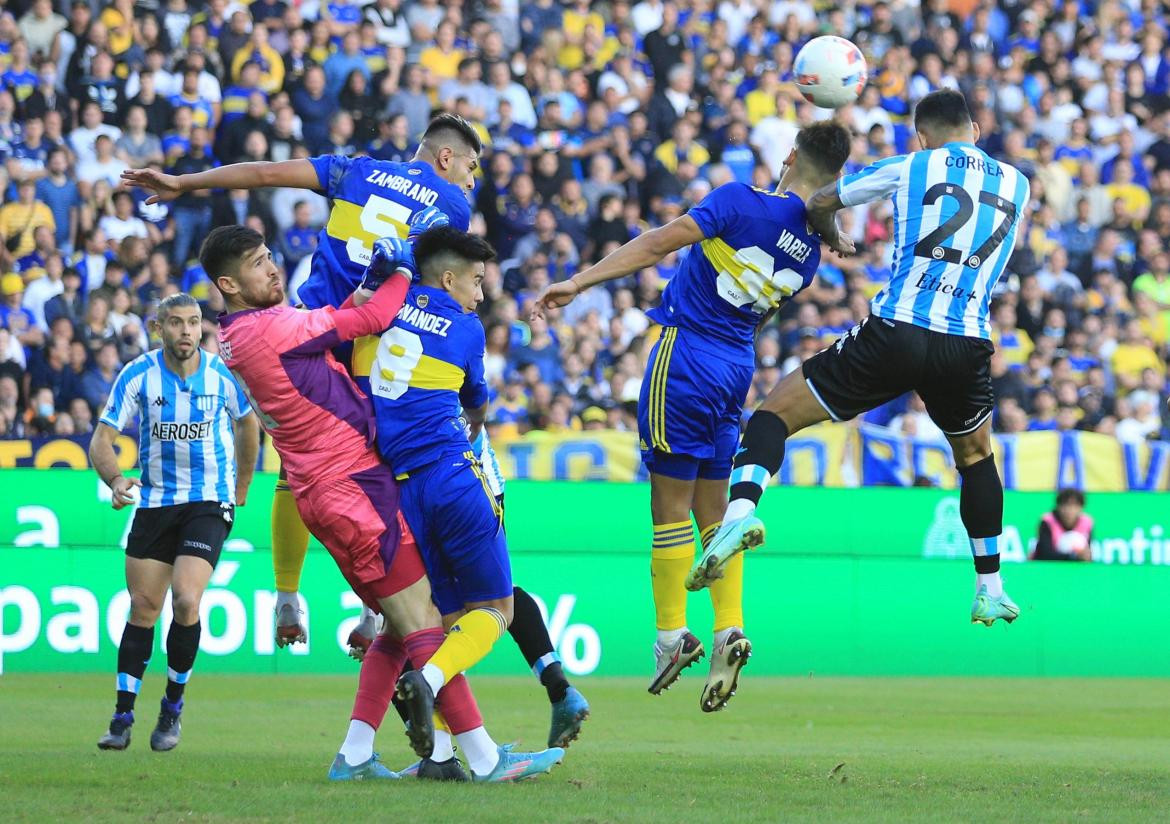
(788, 408)
(981, 508)
(957, 392)
(730, 648)
(672, 487)
(290, 543)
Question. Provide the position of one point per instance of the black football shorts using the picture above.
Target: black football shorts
(879, 360)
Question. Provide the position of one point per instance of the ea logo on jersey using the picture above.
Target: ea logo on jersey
(422, 301)
(974, 261)
(414, 171)
(937, 253)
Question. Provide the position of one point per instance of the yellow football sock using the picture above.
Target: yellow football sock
(670, 560)
(726, 592)
(469, 641)
(440, 724)
(290, 540)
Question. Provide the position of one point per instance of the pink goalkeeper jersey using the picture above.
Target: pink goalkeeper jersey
(319, 421)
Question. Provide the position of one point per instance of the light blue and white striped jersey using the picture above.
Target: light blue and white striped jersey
(186, 441)
(956, 213)
(482, 447)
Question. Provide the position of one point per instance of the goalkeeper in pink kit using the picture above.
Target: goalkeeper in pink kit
(323, 427)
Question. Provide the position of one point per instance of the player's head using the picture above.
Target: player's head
(240, 265)
(942, 117)
(453, 261)
(451, 145)
(820, 151)
(179, 323)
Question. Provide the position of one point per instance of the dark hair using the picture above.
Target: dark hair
(945, 108)
(224, 247)
(434, 247)
(1070, 496)
(827, 144)
(447, 126)
(174, 302)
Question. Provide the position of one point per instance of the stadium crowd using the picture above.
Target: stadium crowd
(599, 120)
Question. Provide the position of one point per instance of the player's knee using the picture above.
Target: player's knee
(506, 607)
(185, 606)
(144, 608)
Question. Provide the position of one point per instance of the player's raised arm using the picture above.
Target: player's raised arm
(647, 249)
(874, 182)
(295, 174)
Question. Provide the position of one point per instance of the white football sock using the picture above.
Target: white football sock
(481, 751)
(669, 637)
(738, 508)
(444, 750)
(434, 677)
(993, 583)
(722, 634)
(358, 746)
(283, 598)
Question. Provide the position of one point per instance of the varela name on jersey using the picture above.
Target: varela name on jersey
(186, 441)
(956, 215)
(758, 251)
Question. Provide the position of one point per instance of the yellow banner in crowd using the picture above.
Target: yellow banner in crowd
(824, 455)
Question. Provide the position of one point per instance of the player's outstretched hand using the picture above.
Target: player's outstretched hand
(558, 294)
(390, 254)
(428, 218)
(123, 490)
(844, 245)
(164, 186)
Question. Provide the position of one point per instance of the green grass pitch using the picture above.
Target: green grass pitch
(257, 748)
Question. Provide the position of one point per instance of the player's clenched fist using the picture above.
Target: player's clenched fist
(429, 218)
(391, 254)
(558, 294)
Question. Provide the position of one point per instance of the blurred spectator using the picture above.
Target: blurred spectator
(1065, 533)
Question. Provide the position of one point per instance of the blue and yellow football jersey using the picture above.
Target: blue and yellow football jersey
(426, 368)
(759, 250)
(370, 199)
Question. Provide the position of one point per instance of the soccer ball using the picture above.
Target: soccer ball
(830, 72)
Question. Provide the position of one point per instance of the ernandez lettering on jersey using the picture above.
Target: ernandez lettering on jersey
(424, 321)
(404, 186)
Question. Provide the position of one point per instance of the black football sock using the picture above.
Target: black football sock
(761, 452)
(981, 508)
(531, 636)
(133, 656)
(182, 645)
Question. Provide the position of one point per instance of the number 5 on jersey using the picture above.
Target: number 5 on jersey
(399, 351)
(379, 218)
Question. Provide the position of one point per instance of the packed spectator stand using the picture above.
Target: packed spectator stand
(600, 120)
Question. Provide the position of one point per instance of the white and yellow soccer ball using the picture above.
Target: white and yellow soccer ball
(830, 71)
